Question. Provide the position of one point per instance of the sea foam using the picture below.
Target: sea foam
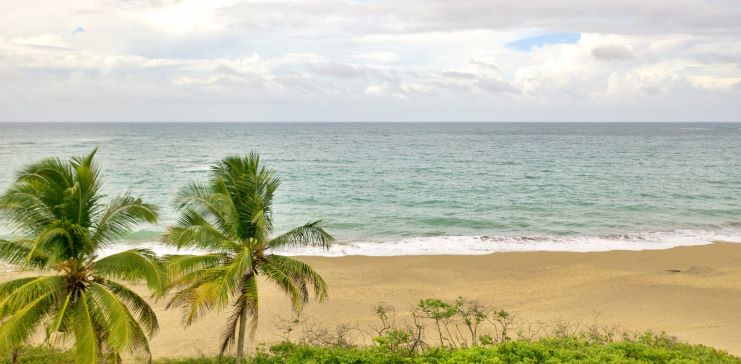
(487, 244)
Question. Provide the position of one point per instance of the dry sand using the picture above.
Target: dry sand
(700, 304)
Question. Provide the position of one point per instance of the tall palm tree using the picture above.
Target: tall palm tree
(62, 223)
(231, 219)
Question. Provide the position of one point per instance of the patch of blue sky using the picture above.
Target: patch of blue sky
(527, 44)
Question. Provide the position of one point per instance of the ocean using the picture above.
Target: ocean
(434, 188)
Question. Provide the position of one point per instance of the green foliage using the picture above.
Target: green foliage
(231, 218)
(40, 355)
(201, 360)
(395, 340)
(646, 349)
(295, 354)
(560, 350)
(486, 340)
(437, 309)
(61, 224)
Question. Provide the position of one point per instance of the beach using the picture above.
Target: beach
(693, 293)
(289, 182)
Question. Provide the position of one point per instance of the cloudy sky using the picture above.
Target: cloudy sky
(368, 60)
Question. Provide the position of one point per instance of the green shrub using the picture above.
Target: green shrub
(395, 340)
(40, 355)
(646, 349)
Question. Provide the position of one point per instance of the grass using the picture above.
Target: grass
(648, 348)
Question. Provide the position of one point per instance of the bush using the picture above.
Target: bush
(648, 348)
(40, 355)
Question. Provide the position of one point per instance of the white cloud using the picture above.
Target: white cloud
(40, 40)
(416, 60)
(382, 57)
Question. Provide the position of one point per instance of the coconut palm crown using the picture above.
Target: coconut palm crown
(61, 223)
(230, 218)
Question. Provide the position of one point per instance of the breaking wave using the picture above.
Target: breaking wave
(486, 244)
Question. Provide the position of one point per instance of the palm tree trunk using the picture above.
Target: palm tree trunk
(240, 338)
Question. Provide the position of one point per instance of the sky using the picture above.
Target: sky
(366, 60)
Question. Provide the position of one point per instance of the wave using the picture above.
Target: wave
(476, 244)
(487, 244)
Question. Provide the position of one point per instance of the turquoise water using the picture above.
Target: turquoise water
(431, 188)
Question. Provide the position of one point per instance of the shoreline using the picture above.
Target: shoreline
(692, 292)
(477, 245)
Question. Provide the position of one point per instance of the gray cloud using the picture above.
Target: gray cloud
(386, 16)
(339, 70)
(456, 74)
(497, 86)
(612, 52)
(484, 64)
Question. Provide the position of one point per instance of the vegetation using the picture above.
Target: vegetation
(230, 218)
(62, 224)
(647, 348)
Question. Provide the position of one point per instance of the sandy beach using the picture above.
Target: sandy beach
(693, 293)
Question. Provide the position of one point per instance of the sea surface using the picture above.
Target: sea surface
(434, 188)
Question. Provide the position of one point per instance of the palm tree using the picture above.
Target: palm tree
(230, 220)
(61, 224)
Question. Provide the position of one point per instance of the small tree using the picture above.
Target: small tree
(504, 320)
(440, 312)
(387, 314)
(473, 314)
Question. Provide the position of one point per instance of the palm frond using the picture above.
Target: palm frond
(250, 296)
(28, 291)
(120, 216)
(117, 319)
(56, 240)
(34, 201)
(20, 253)
(145, 315)
(83, 196)
(301, 272)
(250, 187)
(123, 332)
(195, 278)
(54, 190)
(241, 266)
(288, 284)
(216, 292)
(8, 287)
(87, 341)
(24, 208)
(60, 318)
(134, 265)
(181, 266)
(199, 293)
(212, 203)
(198, 299)
(193, 230)
(229, 332)
(16, 329)
(311, 233)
